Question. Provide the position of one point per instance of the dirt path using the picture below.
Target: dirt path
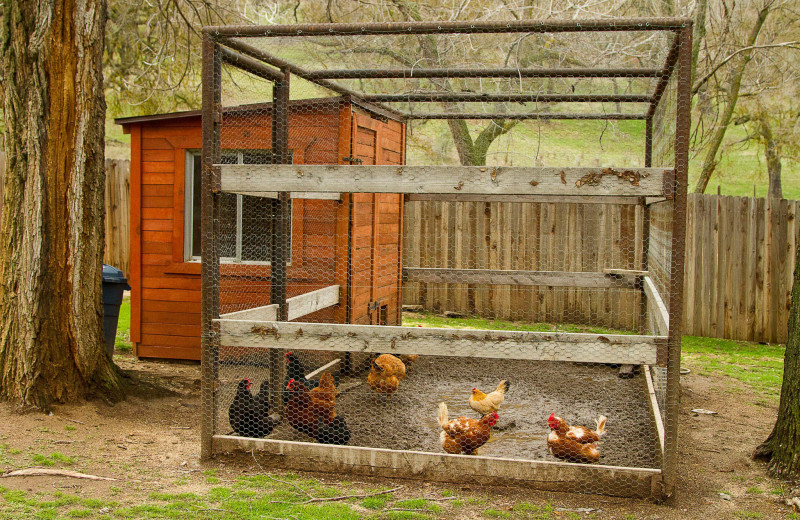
(150, 443)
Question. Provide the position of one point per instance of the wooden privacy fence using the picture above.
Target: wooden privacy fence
(739, 261)
(118, 215)
(740, 256)
(117, 222)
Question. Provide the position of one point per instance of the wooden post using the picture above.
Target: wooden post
(209, 293)
(281, 228)
(682, 133)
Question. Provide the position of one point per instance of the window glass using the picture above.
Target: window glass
(257, 224)
(251, 219)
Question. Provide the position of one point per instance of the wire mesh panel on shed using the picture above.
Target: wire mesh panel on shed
(541, 282)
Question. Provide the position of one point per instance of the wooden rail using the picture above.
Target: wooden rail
(508, 277)
(299, 306)
(542, 346)
(488, 180)
(292, 195)
(553, 476)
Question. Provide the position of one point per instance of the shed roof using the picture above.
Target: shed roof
(327, 102)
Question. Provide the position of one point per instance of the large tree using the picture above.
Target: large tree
(51, 236)
(782, 447)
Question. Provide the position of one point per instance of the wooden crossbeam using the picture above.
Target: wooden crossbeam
(299, 306)
(544, 199)
(481, 180)
(508, 277)
(542, 474)
(547, 346)
(292, 195)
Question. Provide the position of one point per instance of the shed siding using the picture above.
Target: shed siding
(165, 321)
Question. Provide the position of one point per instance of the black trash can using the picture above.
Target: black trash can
(114, 285)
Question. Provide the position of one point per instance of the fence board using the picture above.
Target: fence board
(118, 210)
(739, 264)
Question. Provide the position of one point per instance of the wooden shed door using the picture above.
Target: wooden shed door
(376, 228)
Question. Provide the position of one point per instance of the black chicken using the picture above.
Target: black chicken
(248, 415)
(334, 433)
(263, 403)
(297, 371)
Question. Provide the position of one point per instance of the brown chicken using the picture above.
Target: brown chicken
(574, 443)
(464, 435)
(305, 412)
(486, 403)
(326, 391)
(314, 413)
(385, 375)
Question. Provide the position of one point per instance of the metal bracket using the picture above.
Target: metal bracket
(353, 160)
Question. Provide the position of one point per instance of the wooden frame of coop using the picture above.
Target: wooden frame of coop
(659, 188)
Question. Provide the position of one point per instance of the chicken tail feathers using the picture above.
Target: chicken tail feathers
(503, 386)
(443, 415)
(601, 425)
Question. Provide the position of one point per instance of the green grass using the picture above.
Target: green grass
(758, 366)
(425, 319)
(123, 340)
(596, 143)
(52, 459)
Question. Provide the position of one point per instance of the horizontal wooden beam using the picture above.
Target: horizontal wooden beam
(505, 277)
(484, 180)
(313, 301)
(292, 195)
(265, 312)
(542, 346)
(323, 368)
(626, 272)
(299, 306)
(443, 467)
(545, 199)
(655, 304)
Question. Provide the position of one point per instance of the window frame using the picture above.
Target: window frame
(188, 219)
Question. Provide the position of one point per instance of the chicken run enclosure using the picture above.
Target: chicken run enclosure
(305, 356)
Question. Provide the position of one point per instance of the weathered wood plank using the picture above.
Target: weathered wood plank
(585, 348)
(313, 301)
(654, 408)
(656, 306)
(323, 368)
(255, 178)
(299, 306)
(293, 195)
(577, 199)
(553, 476)
(511, 277)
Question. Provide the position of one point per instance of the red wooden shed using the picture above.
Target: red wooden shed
(346, 249)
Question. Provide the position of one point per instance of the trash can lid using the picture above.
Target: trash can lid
(113, 275)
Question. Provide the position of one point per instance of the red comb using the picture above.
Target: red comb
(552, 417)
(290, 383)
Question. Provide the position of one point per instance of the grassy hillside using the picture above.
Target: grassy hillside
(573, 143)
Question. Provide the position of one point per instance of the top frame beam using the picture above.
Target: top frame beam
(459, 27)
(571, 72)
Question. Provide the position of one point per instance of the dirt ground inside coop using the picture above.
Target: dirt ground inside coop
(408, 421)
(151, 443)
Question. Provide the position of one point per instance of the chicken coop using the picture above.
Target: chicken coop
(165, 222)
(426, 396)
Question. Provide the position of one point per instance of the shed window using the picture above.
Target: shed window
(246, 222)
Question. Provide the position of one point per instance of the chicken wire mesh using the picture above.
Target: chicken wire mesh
(361, 290)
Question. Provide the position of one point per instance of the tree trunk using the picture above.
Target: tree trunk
(782, 447)
(51, 238)
(772, 152)
(710, 161)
